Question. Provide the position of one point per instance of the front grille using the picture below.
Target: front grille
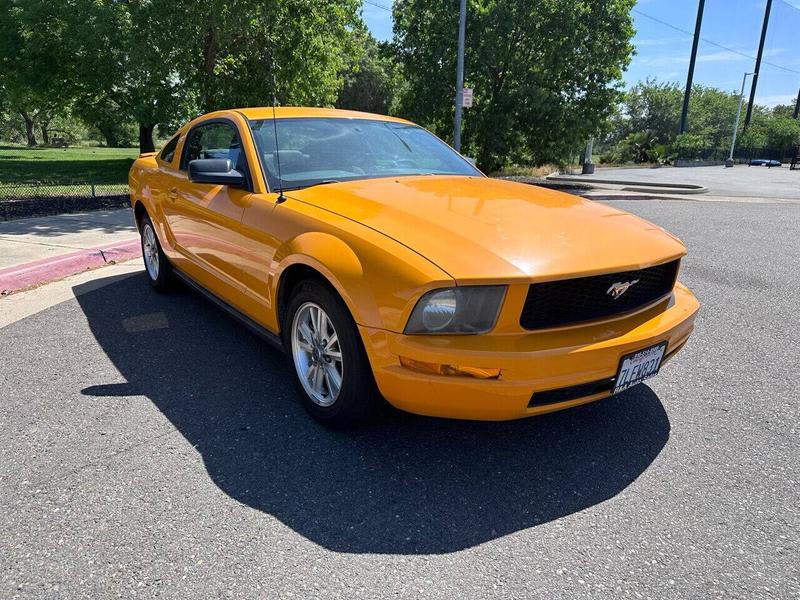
(571, 301)
(572, 392)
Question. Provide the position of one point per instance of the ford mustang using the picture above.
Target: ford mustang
(389, 268)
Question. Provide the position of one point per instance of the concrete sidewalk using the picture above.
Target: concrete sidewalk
(41, 249)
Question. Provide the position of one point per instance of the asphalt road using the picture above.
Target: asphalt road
(741, 181)
(150, 446)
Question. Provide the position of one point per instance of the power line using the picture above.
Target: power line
(711, 42)
(676, 28)
(376, 5)
(789, 4)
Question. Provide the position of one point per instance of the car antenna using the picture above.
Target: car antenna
(281, 197)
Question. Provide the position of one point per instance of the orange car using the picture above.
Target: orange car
(387, 266)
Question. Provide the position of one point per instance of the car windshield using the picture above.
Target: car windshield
(316, 150)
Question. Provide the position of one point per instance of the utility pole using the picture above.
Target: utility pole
(729, 162)
(697, 26)
(797, 106)
(758, 64)
(462, 24)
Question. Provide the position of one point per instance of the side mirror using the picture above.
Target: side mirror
(217, 171)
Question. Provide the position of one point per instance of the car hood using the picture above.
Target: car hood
(483, 229)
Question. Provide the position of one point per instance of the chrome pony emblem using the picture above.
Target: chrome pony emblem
(620, 287)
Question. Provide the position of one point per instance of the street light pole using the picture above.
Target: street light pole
(729, 162)
(462, 24)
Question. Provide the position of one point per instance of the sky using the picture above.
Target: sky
(663, 41)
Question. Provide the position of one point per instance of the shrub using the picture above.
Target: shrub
(637, 147)
(688, 145)
(782, 132)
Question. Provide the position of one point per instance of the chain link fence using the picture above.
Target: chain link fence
(18, 191)
(34, 199)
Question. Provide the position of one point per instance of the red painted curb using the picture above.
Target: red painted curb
(42, 271)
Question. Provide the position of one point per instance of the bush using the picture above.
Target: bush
(688, 145)
(754, 136)
(782, 132)
(659, 155)
(610, 157)
(637, 147)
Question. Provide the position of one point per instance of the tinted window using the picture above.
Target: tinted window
(168, 152)
(214, 140)
(318, 150)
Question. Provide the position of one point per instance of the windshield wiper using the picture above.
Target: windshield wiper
(323, 182)
(303, 187)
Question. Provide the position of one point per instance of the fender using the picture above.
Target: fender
(142, 193)
(337, 262)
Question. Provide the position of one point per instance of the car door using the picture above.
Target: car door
(205, 219)
(159, 182)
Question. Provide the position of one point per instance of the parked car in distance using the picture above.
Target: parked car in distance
(389, 268)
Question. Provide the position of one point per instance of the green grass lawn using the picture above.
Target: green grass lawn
(65, 165)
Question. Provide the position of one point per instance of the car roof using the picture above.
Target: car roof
(285, 112)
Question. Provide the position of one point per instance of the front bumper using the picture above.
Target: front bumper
(530, 361)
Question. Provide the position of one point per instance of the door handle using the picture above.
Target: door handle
(173, 193)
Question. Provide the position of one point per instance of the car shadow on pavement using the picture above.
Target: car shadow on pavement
(406, 484)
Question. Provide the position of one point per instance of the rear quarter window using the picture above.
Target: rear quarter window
(168, 152)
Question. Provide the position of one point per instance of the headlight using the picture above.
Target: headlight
(471, 309)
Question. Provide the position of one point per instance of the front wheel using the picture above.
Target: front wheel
(328, 360)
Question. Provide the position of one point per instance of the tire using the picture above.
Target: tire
(311, 353)
(156, 266)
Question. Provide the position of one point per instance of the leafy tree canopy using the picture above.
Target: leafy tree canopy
(546, 74)
(373, 83)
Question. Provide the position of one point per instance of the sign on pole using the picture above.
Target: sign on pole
(466, 97)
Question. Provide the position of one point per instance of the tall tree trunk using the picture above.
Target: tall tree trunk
(29, 131)
(146, 143)
(44, 125)
(110, 134)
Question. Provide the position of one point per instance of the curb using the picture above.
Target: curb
(637, 186)
(545, 182)
(19, 277)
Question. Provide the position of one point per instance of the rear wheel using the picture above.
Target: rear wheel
(326, 355)
(156, 265)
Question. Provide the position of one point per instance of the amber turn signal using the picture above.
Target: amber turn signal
(453, 370)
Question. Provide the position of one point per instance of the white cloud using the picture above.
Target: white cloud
(650, 42)
(776, 99)
(721, 56)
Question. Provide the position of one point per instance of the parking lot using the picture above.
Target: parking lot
(152, 446)
(742, 182)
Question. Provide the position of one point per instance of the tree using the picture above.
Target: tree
(108, 118)
(546, 74)
(35, 74)
(656, 107)
(712, 113)
(783, 132)
(649, 106)
(129, 52)
(373, 83)
(231, 52)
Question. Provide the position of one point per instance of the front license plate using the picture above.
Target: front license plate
(637, 366)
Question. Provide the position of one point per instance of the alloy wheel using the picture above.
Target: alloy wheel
(317, 354)
(150, 251)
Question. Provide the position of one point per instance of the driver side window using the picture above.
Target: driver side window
(214, 140)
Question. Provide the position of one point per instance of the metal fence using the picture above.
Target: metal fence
(38, 191)
(35, 199)
(740, 155)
